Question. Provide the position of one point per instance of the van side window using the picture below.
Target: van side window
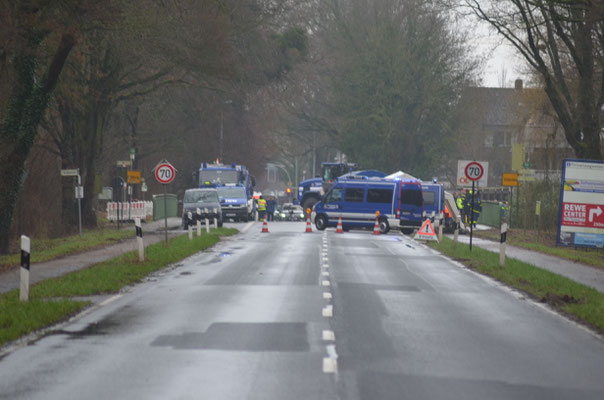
(335, 195)
(354, 194)
(429, 198)
(412, 197)
(379, 195)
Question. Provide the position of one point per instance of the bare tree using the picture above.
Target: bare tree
(563, 42)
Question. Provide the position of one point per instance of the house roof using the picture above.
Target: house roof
(500, 106)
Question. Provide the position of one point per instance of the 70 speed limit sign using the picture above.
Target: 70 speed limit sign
(469, 172)
(474, 171)
(165, 172)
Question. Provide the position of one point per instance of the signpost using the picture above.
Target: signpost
(79, 192)
(474, 171)
(164, 173)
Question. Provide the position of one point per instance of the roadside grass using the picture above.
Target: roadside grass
(48, 249)
(50, 300)
(578, 301)
(545, 242)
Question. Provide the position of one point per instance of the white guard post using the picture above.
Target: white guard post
(504, 231)
(139, 239)
(441, 222)
(198, 222)
(189, 226)
(215, 219)
(25, 252)
(456, 233)
(207, 221)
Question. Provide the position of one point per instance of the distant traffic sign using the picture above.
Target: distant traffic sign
(134, 177)
(510, 179)
(70, 172)
(165, 172)
(474, 171)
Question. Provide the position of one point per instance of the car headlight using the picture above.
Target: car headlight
(301, 215)
(282, 215)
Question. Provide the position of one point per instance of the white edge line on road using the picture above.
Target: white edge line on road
(110, 300)
(519, 295)
(247, 227)
(328, 311)
(327, 295)
(26, 340)
(325, 283)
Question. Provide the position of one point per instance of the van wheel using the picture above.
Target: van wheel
(384, 226)
(321, 222)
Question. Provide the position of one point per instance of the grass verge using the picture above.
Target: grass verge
(582, 303)
(50, 299)
(545, 242)
(48, 249)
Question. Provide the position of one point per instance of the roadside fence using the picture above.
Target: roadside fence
(128, 211)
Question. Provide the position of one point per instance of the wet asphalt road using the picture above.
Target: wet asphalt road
(254, 319)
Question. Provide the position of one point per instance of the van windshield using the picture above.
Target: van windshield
(217, 177)
(231, 192)
(412, 197)
(201, 196)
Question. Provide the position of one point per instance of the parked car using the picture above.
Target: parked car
(279, 215)
(293, 212)
(204, 199)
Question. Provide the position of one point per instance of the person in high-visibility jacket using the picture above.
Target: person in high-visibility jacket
(505, 211)
(459, 202)
(261, 208)
(476, 209)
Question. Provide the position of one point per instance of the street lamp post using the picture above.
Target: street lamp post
(222, 128)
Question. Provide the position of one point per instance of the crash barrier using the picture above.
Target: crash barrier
(129, 211)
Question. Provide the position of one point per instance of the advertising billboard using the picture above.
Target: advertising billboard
(581, 208)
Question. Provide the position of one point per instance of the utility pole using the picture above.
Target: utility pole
(314, 155)
(222, 128)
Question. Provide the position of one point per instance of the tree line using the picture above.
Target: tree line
(297, 81)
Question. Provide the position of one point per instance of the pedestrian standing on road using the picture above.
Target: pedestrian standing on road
(261, 208)
(271, 204)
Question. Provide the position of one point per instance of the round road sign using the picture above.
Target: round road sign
(165, 173)
(474, 171)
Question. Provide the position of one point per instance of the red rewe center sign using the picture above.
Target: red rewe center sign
(584, 215)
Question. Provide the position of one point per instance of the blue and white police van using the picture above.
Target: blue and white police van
(357, 199)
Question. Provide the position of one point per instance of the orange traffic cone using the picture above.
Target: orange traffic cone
(308, 226)
(264, 226)
(376, 227)
(339, 227)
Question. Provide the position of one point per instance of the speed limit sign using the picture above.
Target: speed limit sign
(165, 172)
(474, 171)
